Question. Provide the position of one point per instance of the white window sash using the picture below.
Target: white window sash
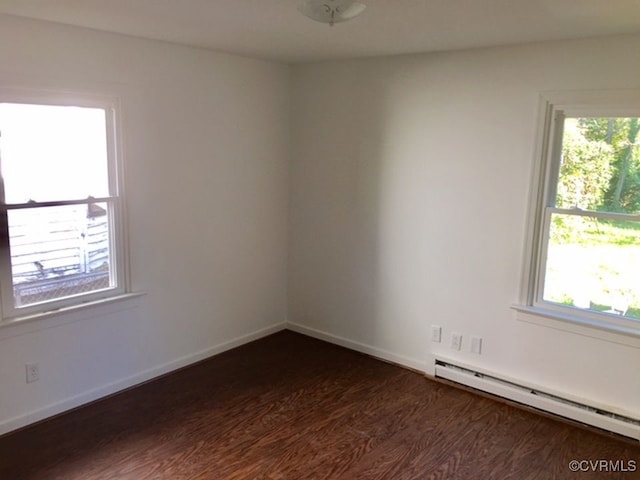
(554, 108)
(116, 223)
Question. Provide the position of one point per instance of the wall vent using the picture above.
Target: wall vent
(620, 424)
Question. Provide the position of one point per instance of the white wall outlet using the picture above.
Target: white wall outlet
(456, 341)
(33, 372)
(436, 333)
(476, 345)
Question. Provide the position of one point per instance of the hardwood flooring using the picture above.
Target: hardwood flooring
(290, 407)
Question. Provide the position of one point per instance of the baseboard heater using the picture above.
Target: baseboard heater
(626, 426)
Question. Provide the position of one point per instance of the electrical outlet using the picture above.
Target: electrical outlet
(456, 341)
(476, 345)
(33, 373)
(436, 333)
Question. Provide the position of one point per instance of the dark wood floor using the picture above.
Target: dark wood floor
(290, 407)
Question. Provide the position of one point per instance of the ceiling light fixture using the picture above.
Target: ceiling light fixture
(330, 11)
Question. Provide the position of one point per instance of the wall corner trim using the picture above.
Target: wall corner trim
(408, 362)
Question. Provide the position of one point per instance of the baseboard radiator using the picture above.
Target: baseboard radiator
(628, 427)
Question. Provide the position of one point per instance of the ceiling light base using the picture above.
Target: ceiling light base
(330, 11)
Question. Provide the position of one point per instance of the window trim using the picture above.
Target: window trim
(116, 217)
(553, 108)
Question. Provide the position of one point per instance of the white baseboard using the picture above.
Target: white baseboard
(104, 390)
(414, 364)
(525, 395)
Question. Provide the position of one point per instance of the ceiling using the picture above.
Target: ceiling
(274, 30)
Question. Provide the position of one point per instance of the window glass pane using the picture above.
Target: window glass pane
(600, 165)
(58, 252)
(594, 264)
(53, 152)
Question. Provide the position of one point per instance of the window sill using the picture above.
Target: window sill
(28, 323)
(600, 329)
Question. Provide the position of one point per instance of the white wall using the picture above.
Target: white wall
(394, 162)
(206, 142)
(409, 194)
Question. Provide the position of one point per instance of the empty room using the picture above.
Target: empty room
(319, 239)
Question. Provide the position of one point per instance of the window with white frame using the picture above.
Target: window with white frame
(60, 218)
(586, 248)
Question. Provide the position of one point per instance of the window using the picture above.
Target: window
(586, 234)
(60, 221)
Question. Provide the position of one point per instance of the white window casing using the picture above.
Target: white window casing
(110, 205)
(554, 108)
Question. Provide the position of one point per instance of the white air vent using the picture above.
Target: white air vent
(628, 427)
